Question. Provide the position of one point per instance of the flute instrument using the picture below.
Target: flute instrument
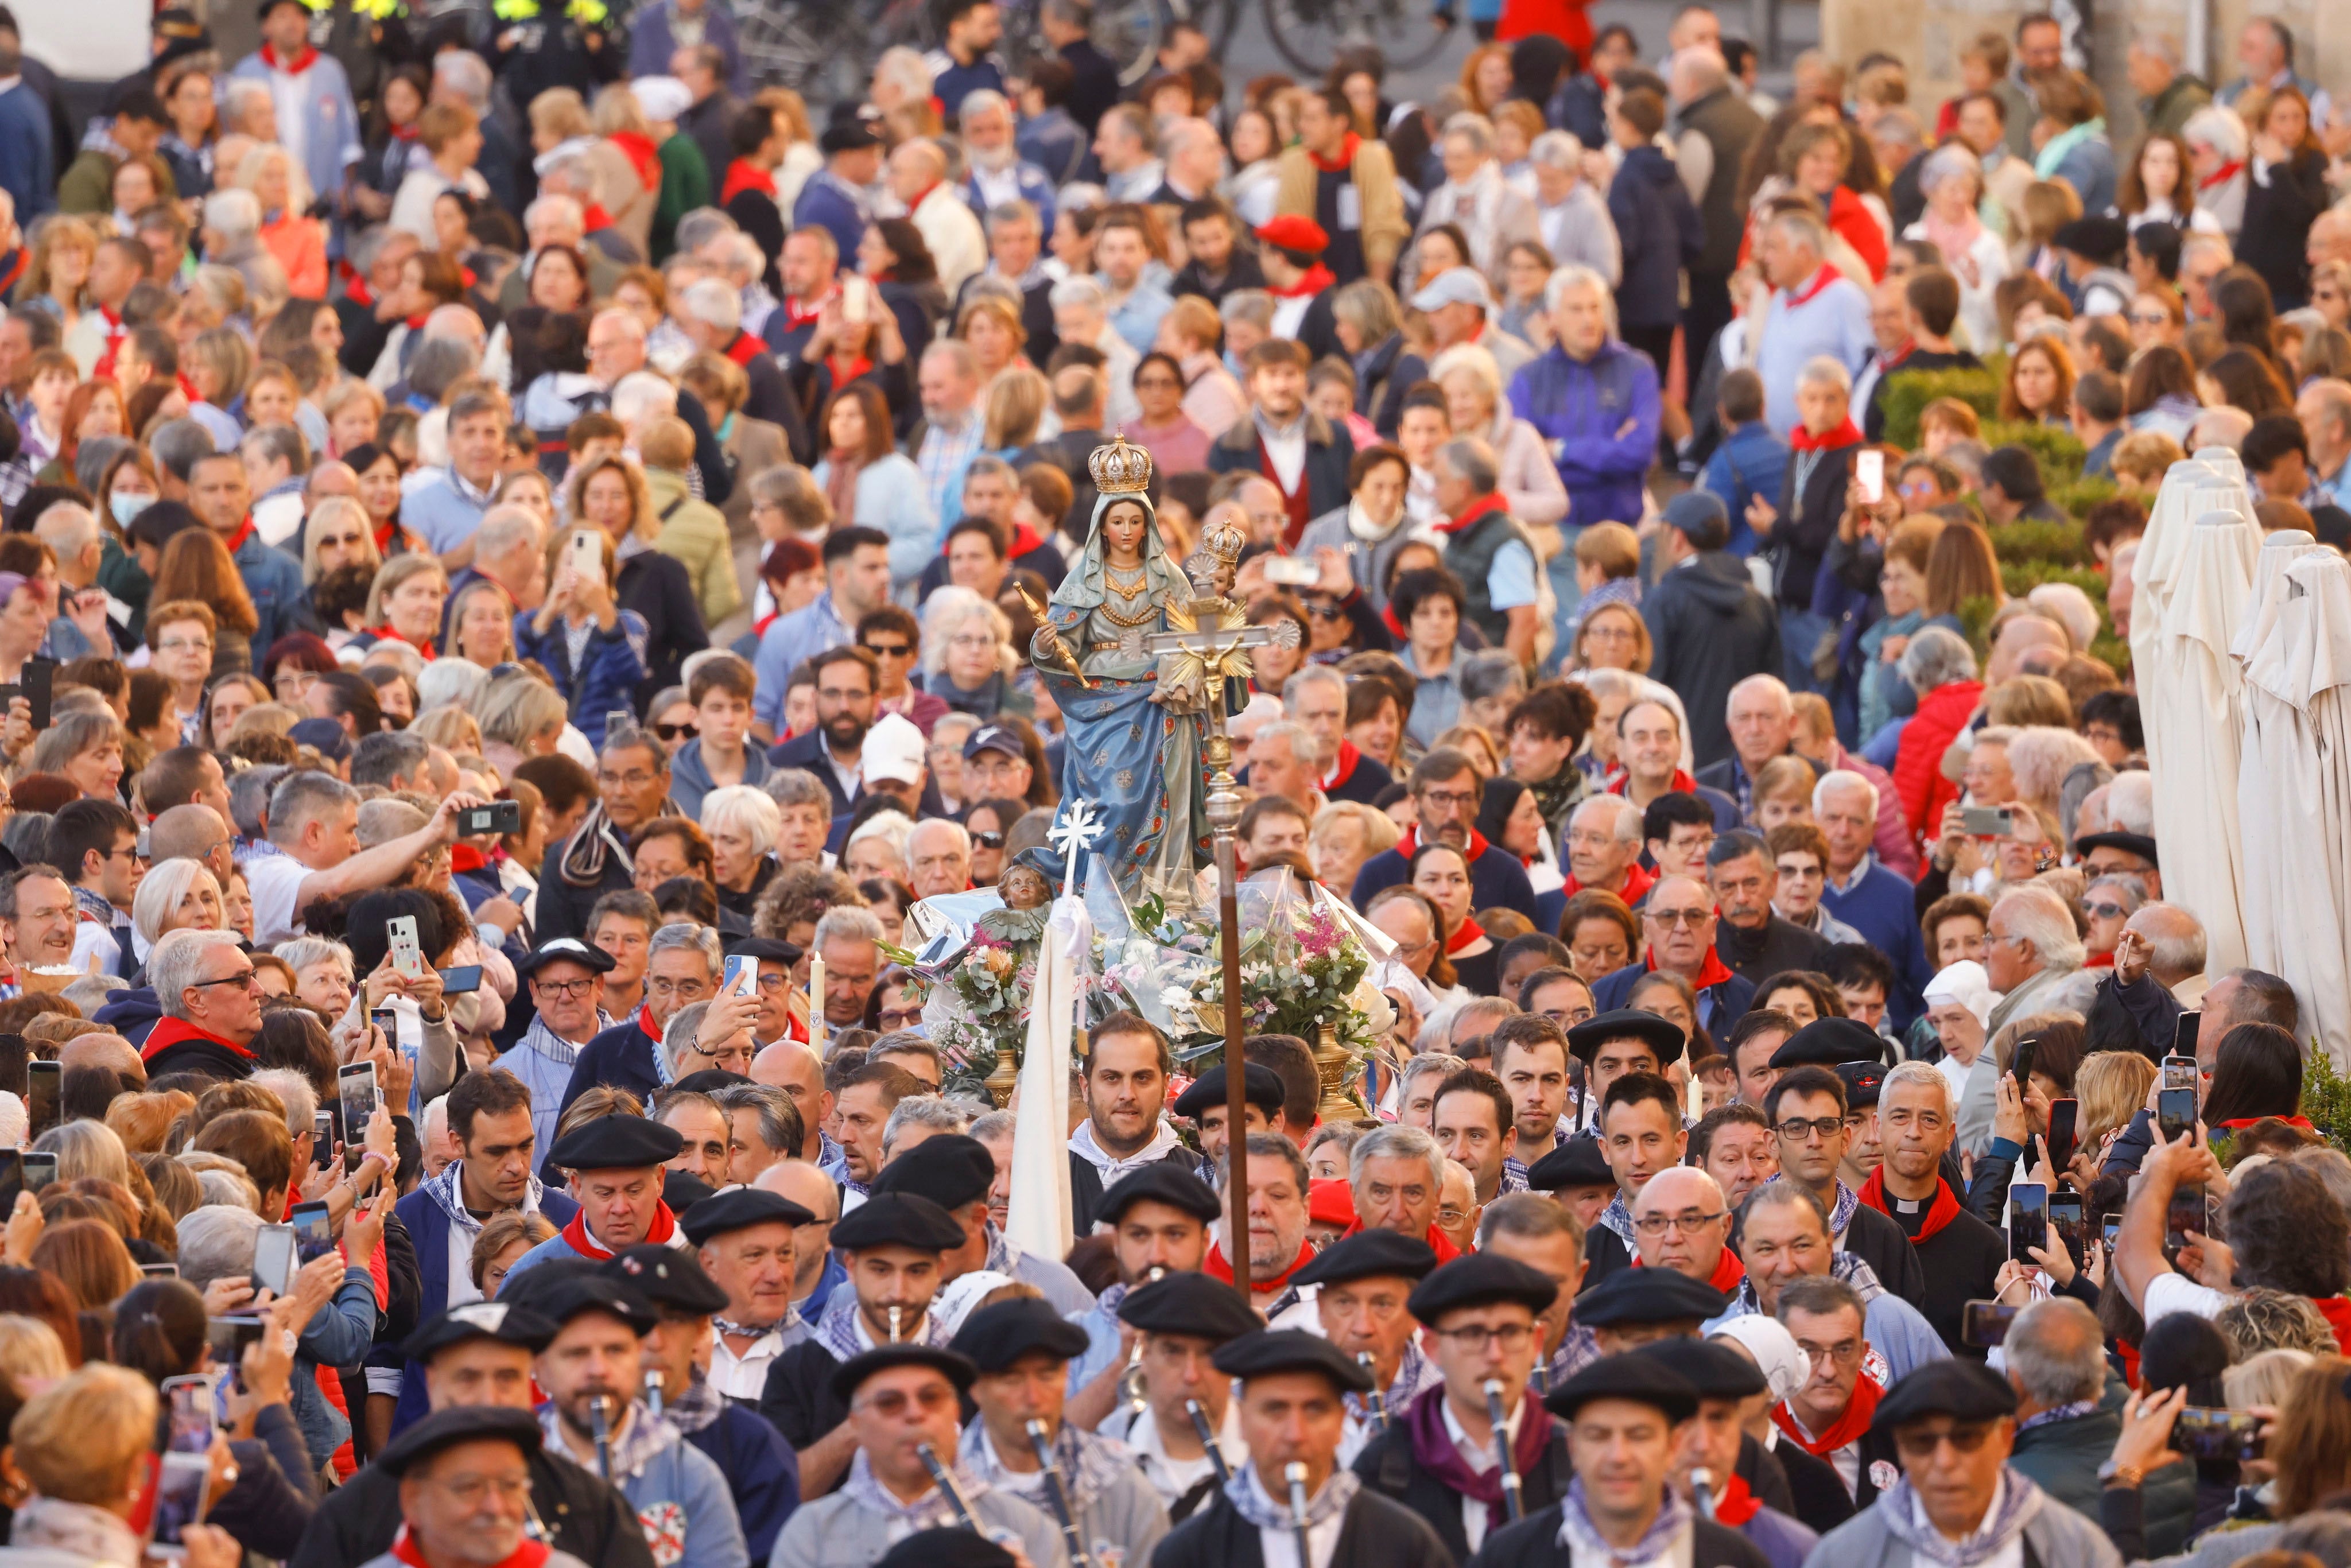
(1513, 1499)
(1208, 1435)
(1056, 1492)
(1702, 1491)
(893, 1324)
(654, 1391)
(942, 1478)
(1294, 1473)
(1374, 1401)
(600, 1423)
(1539, 1380)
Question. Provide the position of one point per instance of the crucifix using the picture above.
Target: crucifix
(1217, 652)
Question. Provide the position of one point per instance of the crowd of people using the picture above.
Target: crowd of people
(527, 557)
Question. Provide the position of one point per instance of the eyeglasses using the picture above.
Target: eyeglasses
(2149, 318)
(1797, 1130)
(1465, 799)
(184, 645)
(899, 1018)
(569, 991)
(1475, 1337)
(2102, 910)
(243, 979)
(1321, 611)
(893, 1402)
(669, 732)
(635, 779)
(1693, 918)
(137, 857)
(987, 841)
(469, 1490)
(1916, 1446)
(1658, 1224)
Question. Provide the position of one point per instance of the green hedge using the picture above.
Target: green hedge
(1909, 393)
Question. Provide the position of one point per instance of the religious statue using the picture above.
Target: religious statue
(1028, 895)
(1133, 719)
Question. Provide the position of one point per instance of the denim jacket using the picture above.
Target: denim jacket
(338, 1336)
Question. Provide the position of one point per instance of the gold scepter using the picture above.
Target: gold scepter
(1068, 658)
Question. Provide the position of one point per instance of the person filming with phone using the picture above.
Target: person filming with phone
(580, 613)
(84, 1445)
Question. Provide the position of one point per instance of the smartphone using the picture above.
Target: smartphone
(1869, 467)
(2066, 1220)
(407, 957)
(1289, 571)
(497, 817)
(188, 1401)
(2113, 1229)
(2027, 1052)
(2028, 1221)
(355, 1086)
(853, 301)
(2175, 1114)
(40, 683)
(1984, 1325)
(273, 1259)
(1986, 822)
(314, 1236)
(2203, 1434)
(619, 721)
(464, 978)
(322, 1140)
(2062, 1117)
(229, 1335)
(41, 1102)
(742, 976)
(179, 1504)
(2179, 1070)
(585, 554)
(2186, 1214)
(160, 1270)
(2183, 1036)
(12, 1180)
(40, 1168)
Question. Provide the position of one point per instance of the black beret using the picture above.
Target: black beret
(1189, 1303)
(667, 1277)
(897, 1219)
(2100, 238)
(1863, 1079)
(1648, 1296)
(709, 1080)
(534, 1287)
(459, 1424)
(593, 1292)
(1270, 1351)
(1642, 1379)
(946, 1547)
(738, 1208)
(1964, 1390)
(1260, 1083)
(1662, 1035)
(2137, 844)
(1481, 1280)
(1825, 1042)
(996, 1336)
(1161, 1181)
(1579, 1162)
(1369, 1255)
(568, 948)
(851, 1374)
(616, 1144)
(681, 1190)
(950, 1169)
(1715, 1371)
(500, 1320)
(772, 948)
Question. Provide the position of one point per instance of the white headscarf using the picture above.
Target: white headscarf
(1966, 983)
(1772, 1349)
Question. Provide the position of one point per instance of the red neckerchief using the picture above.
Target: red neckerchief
(415, 323)
(799, 315)
(1713, 972)
(1637, 883)
(1887, 362)
(1345, 769)
(173, 1031)
(1025, 540)
(1215, 1267)
(847, 371)
(1470, 931)
(385, 633)
(1944, 1210)
(1439, 1242)
(644, 1022)
(1314, 282)
(643, 155)
(576, 1233)
(243, 532)
(1848, 1427)
(745, 348)
(296, 67)
(17, 262)
(529, 1554)
(384, 536)
(1734, 1505)
(745, 175)
(1410, 843)
(1803, 440)
(1345, 160)
(1473, 512)
(407, 133)
(1811, 291)
(595, 219)
(1680, 784)
(465, 857)
(2238, 1123)
(923, 196)
(2336, 1310)
(2223, 175)
(1728, 1270)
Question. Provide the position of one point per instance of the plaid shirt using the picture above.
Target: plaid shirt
(946, 452)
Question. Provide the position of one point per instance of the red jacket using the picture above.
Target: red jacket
(1919, 764)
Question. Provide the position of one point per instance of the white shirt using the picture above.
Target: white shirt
(2171, 1292)
(743, 1376)
(1083, 1143)
(1286, 449)
(1279, 1547)
(1479, 1457)
(2009, 1556)
(275, 880)
(1170, 1477)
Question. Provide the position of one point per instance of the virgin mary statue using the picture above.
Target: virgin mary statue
(1132, 736)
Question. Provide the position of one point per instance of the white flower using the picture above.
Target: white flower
(1373, 1005)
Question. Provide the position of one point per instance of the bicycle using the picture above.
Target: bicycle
(825, 49)
(1311, 34)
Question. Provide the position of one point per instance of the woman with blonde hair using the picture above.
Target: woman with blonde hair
(404, 603)
(218, 365)
(2112, 1086)
(1345, 834)
(991, 324)
(338, 533)
(621, 121)
(352, 408)
(56, 275)
(84, 1445)
(178, 895)
(522, 717)
(967, 654)
(1015, 408)
(294, 238)
(1612, 637)
(481, 623)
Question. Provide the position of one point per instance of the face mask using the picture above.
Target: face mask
(125, 508)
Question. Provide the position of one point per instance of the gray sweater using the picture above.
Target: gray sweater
(2058, 1536)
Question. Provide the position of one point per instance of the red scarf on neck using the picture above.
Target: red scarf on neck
(1944, 1210)
(1849, 1428)
(1345, 160)
(529, 1554)
(1470, 931)
(799, 315)
(846, 371)
(173, 1031)
(1410, 843)
(2223, 175)
(664, 1225)
(1846, 435)
(2238, 1123)
(745, 175)
(243, 532)
(1812, 290)
(1713, 972)
(745, 348)
(407, 133)
(1734, 1505)
(385, 633)
(1216, 1266)
(643, 155)
(1728, 1270)
(1475, 511)
(295, 67)
(1314, 282)
(1681, 783)
(595, 219)
(1637, 884)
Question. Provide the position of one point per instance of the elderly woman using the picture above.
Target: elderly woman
(1345, 834)
(86, 1446)
(481, 623)
(294, 239)
(521, 717)
(2108, 902)
(742, 824)
(2040, 758)
(1476, 197)
(877, 848)
(668, 847)
(85, 749)
(968, 655)
(1473, 397)
(1952, 179)
(404, 604)
(174, 895)
(1941, 669)
(322, 973)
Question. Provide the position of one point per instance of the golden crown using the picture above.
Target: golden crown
(1224, 541)
(1121, 468)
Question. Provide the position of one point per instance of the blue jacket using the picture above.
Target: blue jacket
(760, 1468)
(428, 1229)
(28, 168)
(1495, 877)
(1035, 189)
(1883, 908)
(788, 639)
(623, 1056)
(1750, 461)
(824, 201)
(1660, 232)
(689, 780)
(1600, 420)
(338, 1336)
(272, 579)
(650, 44)
(615, 660)
(1718, 1006)
(1051, 141)
(682, 1478)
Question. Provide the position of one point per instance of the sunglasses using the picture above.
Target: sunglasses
(987, 841)
(669, 732)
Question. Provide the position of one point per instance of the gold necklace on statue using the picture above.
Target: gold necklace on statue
(1127, 590)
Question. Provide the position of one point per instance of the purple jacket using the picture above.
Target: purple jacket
(1599, 420)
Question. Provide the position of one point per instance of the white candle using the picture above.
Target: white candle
(816, 1003)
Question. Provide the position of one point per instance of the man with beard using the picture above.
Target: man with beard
(1446, 790)
(1127, 1094)
(892, 1246)
(1530, 1058)
(1021, 1350)
(846, 678)
(1437, 1455)
(1641, 1134)
(474, 1356)
(1960, 1255)
(617, 1165)
(632, 788)
(1716, 1451)
(1203, 1106)
(1278, 1248)
(592, 1371)
(746, 1241)
(1158, 1218)
(1181, 1320)
(1614, 1044)
(954, 1171)
(1782, 1235)
(1360, 1286)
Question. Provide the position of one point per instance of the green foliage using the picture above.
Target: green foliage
(2059, 452)
(2077, 496)
(2058, 544)
(1908, 393)
(2326, 1098)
